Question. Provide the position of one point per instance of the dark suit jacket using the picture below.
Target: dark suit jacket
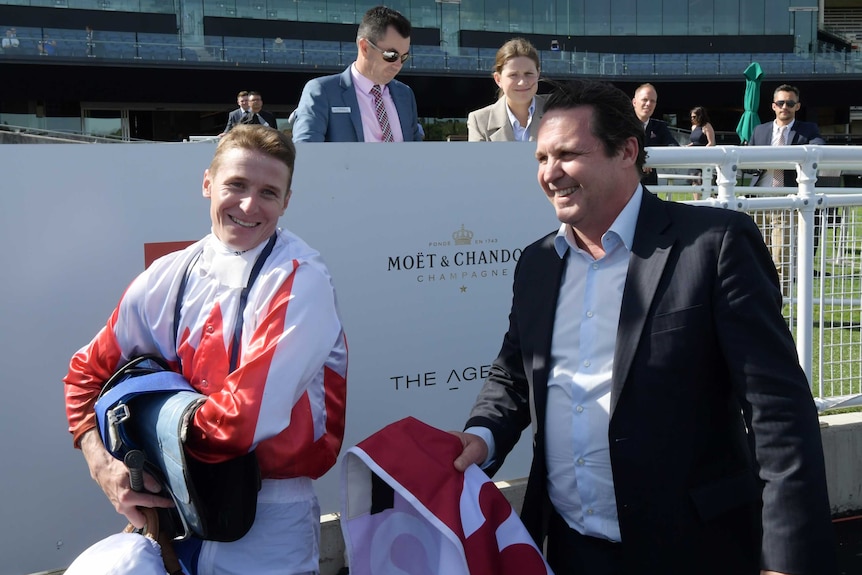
(656, 134)
(702, 356)
(234, 119)
(239, 117)
(801, 133)
(328, 111)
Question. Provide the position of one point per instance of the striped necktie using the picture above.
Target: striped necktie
(381, 113)
(778, 175)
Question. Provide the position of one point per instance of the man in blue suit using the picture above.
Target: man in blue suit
(364, 103)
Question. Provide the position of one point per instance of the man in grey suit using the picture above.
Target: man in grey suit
(673, 430)
(235, 118)
(364, 103)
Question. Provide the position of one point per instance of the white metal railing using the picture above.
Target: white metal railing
(825, 315)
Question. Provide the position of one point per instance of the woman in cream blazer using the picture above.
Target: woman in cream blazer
(516, 114)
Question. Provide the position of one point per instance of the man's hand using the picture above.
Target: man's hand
(475, 450)
(113, 477)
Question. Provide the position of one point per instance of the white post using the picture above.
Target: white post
(806, 176)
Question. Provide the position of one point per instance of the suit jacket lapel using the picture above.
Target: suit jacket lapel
(650, 250)
(499, 128)
(544, 309)
(537, 117)
(402, 106)
(349, 96)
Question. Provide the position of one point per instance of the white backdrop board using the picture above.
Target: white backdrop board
(421, 240)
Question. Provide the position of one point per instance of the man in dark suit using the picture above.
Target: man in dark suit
(365, 103)
(673, 429)
(785, 130)
(236, 116)
(656, 132)
(258, 115)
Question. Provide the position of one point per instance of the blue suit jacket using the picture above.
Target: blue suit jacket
(801, 133)
(328, 111)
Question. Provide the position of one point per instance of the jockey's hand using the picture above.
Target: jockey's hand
(113, 477)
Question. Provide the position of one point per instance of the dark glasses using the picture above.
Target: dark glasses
(790, 103)
(389, 55)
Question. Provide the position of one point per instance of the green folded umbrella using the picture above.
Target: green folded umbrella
(753, 76)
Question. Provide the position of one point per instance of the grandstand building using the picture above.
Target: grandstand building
(167, 70)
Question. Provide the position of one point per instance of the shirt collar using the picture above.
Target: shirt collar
(787, 128)
(623, 227)
(513, 120)
(364, 84)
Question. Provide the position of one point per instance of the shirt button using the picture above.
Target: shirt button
(595, 266)
(589, 314)
(586, 363)
(579, 408)
(580, 460)
(210, 329)
(589, 511)
(204, 383)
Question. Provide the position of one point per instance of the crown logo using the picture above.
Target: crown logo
(463, 237)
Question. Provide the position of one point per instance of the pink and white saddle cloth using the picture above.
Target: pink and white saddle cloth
(407, 511)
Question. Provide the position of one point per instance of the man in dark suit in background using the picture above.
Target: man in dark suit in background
(235, 117)
(258, 115)
(785, 130)
(656, 132)
(673, 429)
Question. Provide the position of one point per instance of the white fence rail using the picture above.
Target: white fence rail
(815, 236)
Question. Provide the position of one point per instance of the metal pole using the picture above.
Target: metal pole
(806, 173)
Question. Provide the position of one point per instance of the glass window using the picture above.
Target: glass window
(649, 17)
(571, 20)
(675, 14)
(251, 9)
(700, 17)
(496, 17)
(544, 16)
(425, 14)
(105, 123)
(624, 18)
(777, 17)
(597, 19)
(727, 18)
(472, 14)
(751, 16)
(520, 16)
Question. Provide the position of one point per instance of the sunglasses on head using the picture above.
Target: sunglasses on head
(389, 55)
(790, 103)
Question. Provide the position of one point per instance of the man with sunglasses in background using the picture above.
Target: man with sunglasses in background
(785, 130)
(364, 103)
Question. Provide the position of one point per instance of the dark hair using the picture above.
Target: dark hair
(259, 138)
(701, 117)
(613, 121)
(787, 88)
(377, 21)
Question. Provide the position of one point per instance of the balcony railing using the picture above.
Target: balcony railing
(62, 44)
